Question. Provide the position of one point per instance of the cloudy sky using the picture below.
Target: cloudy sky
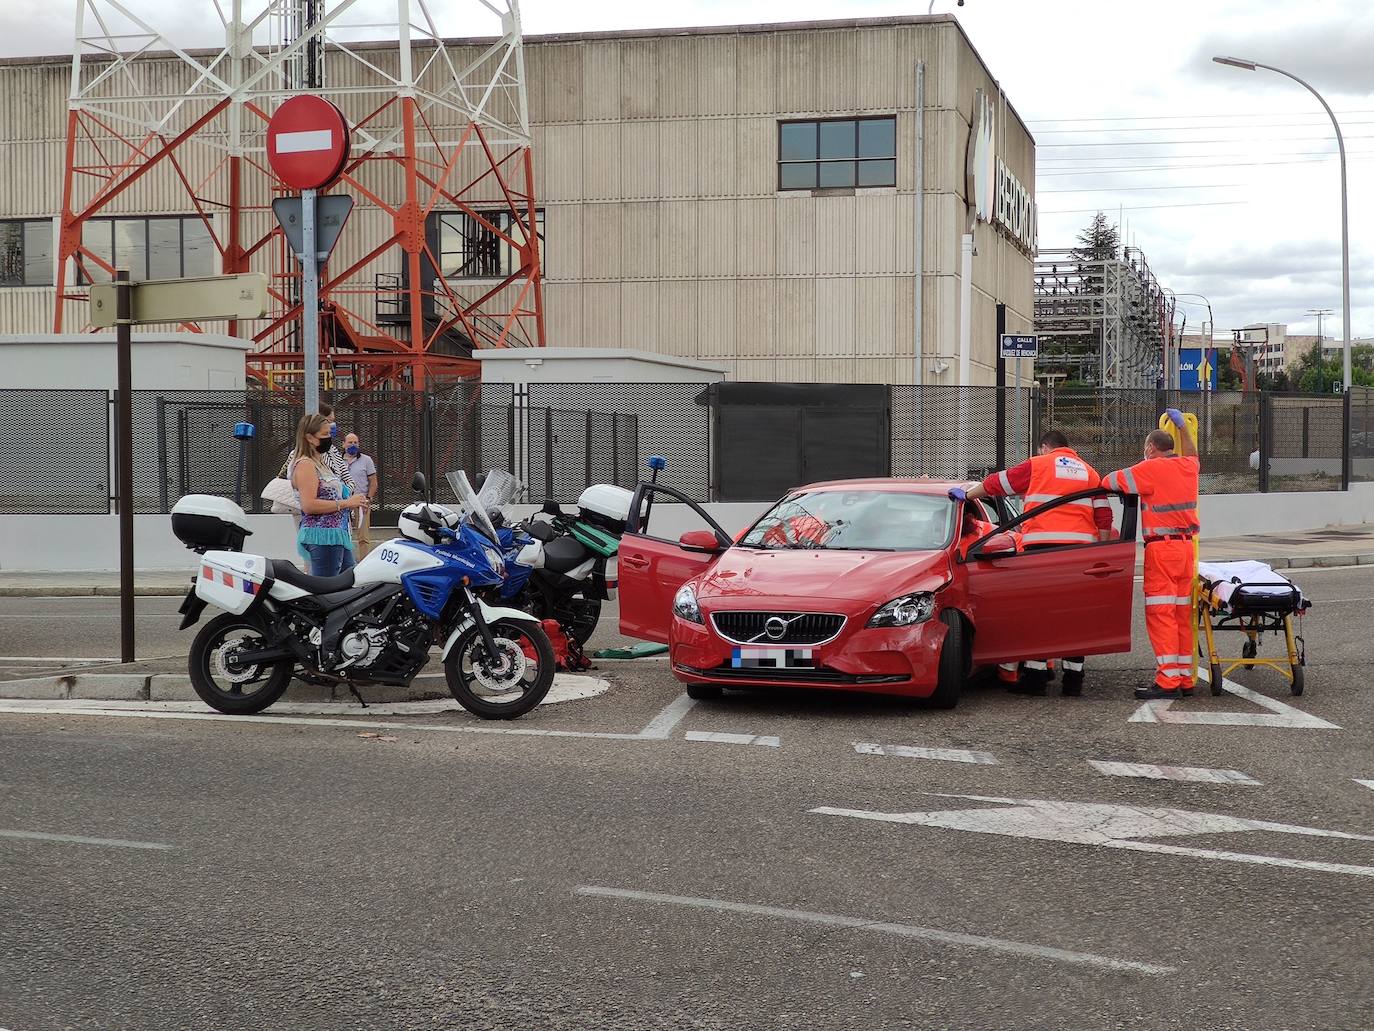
(1226, 179)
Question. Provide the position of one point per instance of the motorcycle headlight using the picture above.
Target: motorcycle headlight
(685, 604)
(497, 560)
(907, 610)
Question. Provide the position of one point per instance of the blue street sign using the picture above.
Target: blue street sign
(1014, 346)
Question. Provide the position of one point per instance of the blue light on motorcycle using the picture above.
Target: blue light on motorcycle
(245, 430)
(658, 464)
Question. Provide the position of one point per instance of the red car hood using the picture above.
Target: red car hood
(745, 576)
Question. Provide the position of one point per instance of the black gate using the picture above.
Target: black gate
(776, 436)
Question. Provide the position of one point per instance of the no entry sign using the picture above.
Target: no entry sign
(307, 142)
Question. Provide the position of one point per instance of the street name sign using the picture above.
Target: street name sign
(1014, 346)
(242, 296)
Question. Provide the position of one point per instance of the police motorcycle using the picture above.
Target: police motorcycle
(561, 565)
(435, 585)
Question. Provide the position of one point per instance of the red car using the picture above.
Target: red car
(876, 585)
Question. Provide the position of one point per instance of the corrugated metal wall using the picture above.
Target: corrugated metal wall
(656, 160)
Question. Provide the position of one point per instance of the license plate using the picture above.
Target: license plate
(772, 658)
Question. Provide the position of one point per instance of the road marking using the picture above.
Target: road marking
(51, 660)
(734, 739)
(1367, 783)
(1279, 715)
(950, 755)
(77, 840)
(662, 725)
(1194, 773)
(931, 934)
(1110, 826)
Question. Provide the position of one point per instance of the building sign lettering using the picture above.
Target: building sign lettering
(994, 192)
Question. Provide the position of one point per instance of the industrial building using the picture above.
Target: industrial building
(757, 198)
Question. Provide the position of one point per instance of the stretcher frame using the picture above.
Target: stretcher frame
(1252, 619)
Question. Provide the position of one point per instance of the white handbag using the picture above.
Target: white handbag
(282, 495)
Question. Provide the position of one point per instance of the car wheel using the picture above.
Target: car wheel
(703, 692)
(953, 663)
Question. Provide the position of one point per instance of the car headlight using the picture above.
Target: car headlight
(907, 610)
(685, 604)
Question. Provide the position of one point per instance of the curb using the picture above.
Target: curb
(90, 591)
(176, 687)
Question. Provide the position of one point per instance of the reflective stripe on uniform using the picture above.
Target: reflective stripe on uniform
(1006, 483)
(1161, 531)
(1057, 537)
(1036, 665)
(1101, 503)
(1072, 667)
(1045, 499)
(1174, 660)
(1128, 481)
(1185, 506)
(1168, 599)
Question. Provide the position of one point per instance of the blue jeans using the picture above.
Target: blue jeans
(329, 559)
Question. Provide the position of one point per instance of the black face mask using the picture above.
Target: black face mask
(324, 445)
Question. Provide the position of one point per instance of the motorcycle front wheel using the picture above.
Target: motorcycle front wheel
(220, 682)
(508, 685)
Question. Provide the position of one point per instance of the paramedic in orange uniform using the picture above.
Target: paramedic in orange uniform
(1055, 472)
(1166, 482)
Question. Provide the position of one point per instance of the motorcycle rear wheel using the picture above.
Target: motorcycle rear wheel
(577, 616)
(217, 685)
(467, 664)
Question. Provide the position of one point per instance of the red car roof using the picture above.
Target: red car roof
(890, 483)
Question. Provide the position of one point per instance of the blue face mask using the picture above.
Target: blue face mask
(353, 449)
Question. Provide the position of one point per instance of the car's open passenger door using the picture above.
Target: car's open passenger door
(655, 560)
(1056, 601)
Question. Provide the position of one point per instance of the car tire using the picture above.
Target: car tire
(703, 692)
(949, 681)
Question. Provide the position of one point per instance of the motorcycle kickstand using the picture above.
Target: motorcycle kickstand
(354, 689)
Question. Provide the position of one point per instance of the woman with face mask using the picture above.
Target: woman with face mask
(325, 509)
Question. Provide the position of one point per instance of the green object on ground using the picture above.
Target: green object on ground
(635, 651)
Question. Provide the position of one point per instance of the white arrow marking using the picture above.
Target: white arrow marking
(767, 741)
(1367, 783)
(304, 142)
(1279, 714)
(1149, 772)
(1110, 826)
(950, 755)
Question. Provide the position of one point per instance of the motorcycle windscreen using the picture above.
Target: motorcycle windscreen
(471, 506)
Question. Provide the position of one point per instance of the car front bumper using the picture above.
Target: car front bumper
(889, 660)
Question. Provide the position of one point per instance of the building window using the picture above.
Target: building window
(169, 247)
(26, 252)
(468, 249)
(837, 153)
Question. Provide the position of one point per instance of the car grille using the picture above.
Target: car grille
(802, 627)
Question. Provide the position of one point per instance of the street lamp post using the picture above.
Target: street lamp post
(1250, 66)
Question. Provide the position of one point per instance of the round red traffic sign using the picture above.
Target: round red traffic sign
(307, 142)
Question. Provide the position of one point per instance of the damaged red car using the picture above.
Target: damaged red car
(880, 585)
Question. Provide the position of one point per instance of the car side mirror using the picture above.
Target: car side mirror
(419, 484)
(997, 544)
(700, 540)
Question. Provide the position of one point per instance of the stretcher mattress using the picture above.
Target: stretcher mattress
(1250, 585)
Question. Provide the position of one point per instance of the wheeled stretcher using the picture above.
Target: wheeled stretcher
(1249, 598)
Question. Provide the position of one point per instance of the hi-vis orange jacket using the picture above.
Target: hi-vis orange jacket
(1049, 477)
(1167, 486)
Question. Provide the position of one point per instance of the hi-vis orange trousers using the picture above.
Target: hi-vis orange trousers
(1169, 576)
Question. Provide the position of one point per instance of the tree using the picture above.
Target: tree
(1227, 377)
(1314, 374)
(1099, 241)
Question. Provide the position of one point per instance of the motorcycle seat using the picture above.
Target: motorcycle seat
(286, 572)
(564, 554)
(540, 530)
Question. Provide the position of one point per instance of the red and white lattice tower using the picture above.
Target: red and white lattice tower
(442, 253)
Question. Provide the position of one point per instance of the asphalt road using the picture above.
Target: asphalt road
(661, 877)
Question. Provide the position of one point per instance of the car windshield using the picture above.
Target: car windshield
(855, 520)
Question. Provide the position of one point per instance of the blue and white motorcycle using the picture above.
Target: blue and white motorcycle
(372, 625)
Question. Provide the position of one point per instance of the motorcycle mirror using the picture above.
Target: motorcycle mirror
(418, 484)
(551, 508)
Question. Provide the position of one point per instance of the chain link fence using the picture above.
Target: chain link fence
(719, 441)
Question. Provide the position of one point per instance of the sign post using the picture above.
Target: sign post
(1016, 347)
(123, 304)
(307, 147)
(124, 455)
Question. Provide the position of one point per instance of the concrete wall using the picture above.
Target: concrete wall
(67, 543)
(86, 361)
(592, 365)
(61, 543)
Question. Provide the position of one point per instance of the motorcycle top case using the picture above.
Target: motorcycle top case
(230, 580)
(606, 507)
(204, 522)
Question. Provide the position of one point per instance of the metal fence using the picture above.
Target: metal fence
(719, 441)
